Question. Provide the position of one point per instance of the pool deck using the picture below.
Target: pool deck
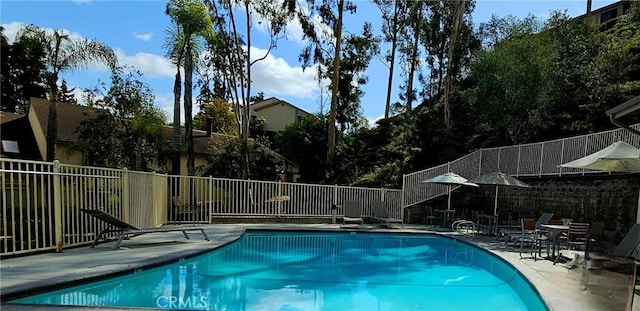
(561, 288)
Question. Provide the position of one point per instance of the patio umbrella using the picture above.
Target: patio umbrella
(498, 179)
(617, 157)
(449, 179)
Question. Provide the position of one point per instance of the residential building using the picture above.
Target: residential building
(25, 136)
(277, 113)
(607, 15)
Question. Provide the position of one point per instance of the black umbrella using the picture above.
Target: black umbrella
(498, 179)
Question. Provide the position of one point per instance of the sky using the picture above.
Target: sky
(135, 31)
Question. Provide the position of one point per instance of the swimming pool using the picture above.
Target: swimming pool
(286, 271)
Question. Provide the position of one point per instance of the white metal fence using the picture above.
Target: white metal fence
(41, 203)
(537, 159)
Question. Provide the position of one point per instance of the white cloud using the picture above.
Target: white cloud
(81, 1)
(11, 31)
(372, 122)
(143, 36)
(274, 75)
(151, 65)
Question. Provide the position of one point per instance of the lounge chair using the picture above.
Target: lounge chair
(352, 213)
(123, 228)
(628, 247)
(381, 214)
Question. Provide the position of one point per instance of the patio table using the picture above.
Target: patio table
(554, 230)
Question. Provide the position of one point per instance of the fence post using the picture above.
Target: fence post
(125, 195)
(57, 205)
(480, 163)
(279, 198)
(402, 200)
(212, 200)
(541, 159)
(382, 194)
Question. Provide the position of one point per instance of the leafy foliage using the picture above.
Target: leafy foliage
(131, 126)
(220, 112)
(227, 161)
(305, 143)
(23, 73)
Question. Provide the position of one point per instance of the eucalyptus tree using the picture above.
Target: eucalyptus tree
(194, 23)
(409, 47)
(230, 60)
(357, 52)
(324, 39)
(449, 42)
(65, 53)
(393, 14)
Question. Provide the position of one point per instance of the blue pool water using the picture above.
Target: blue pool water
(295, 271)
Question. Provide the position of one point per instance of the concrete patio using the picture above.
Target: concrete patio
(563, 289)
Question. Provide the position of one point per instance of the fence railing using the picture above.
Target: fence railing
(536, 159)
(41, 202)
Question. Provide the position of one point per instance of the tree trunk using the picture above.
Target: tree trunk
(394, 42)
(247, 103)
(52, 124)
(188, 115)
(175, 140)
(331, 139)
(457, 19)
(414, 60)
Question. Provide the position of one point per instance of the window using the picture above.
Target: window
(10, 146)
(608, 15)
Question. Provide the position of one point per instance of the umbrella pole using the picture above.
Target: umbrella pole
(495, 205)
(449, 198)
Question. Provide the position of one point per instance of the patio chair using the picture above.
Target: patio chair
(352, 213)
(123, 228)
(430, 217)
(577, 237)
(544, 219)
(185, 212)
(381, 214)
(528, 235)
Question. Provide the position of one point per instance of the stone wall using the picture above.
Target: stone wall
(608, 198)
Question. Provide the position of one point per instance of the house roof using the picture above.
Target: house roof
(272, 102)
(8, 116)
(69, 117)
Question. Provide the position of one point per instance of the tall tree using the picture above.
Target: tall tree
(174, 45)
(393, 12)
(192, 17)
(231, 58)
(66, 95)
(23, 73)
(355, 56)
(409, 47)
(129, 124)
(324, 43)
(65, 53)
(458, 12)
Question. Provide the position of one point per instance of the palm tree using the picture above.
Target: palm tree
(63, 53)
(192, 17)
(174, 44)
